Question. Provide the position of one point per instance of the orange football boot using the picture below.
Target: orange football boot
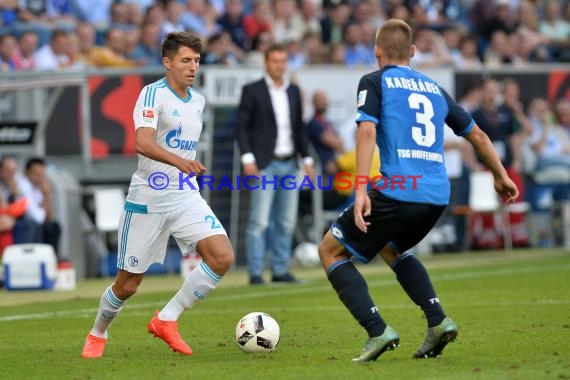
(93, 347)
(168, 332)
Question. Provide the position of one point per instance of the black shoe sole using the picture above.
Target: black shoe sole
(436, 351)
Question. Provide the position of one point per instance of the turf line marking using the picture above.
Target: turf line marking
(288, 290)
(142, 309)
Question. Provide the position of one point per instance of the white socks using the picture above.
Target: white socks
(109, 308)
(197, 285)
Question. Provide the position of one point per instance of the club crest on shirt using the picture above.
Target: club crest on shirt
(133, 261)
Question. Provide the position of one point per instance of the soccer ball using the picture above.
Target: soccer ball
(307, 254)
(257, 332)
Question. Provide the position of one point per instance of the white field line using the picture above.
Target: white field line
(292, 290)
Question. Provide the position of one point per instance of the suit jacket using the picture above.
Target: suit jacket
(256, 125)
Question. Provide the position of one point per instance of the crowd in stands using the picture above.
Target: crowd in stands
(68, 34)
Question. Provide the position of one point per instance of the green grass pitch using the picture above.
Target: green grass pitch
(512, 309)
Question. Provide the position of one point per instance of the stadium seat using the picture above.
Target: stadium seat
(109, 203)
(484, 199)
(29, 266)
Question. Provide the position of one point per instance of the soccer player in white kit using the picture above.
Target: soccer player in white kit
(163, 200)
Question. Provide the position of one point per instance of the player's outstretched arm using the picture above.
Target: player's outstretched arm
(504, 186)
(146, 145)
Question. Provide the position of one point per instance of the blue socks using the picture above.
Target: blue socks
(413, 277)
(353, 292)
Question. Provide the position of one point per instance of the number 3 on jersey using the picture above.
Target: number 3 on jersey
(422, 136)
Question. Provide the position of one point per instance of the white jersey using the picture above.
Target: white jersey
(157, 187)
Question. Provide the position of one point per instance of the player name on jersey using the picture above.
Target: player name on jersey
(420, 154)
(412, 85)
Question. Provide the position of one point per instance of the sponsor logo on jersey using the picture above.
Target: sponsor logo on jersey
(361, 98)
(174, 141)
(337, 232)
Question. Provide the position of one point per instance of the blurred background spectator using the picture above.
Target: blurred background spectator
(55, 54)
(549, 139)
(256, 56)
(147, 51)
(200, 16)
(8, 50)
(39, 224)
(27, 46)
(172, 17)
(220, 50)
(99, 16)
(259, 20)
(431, 51)
(555, 28)
(113, 52)
(507, 128)
(334, 21)
(232, 21)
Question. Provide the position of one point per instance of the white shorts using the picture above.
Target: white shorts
(143, 238)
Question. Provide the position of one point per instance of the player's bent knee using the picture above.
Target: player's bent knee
(125, 289)
(225, 260)
(126, 284)
(220, 260)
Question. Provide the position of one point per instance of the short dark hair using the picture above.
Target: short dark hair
(274, 47)
(174, 40)
(34, 161)
(395, 38)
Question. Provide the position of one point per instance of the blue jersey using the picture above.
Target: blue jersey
(410, 111)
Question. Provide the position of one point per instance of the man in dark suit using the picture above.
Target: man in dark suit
(271, 136)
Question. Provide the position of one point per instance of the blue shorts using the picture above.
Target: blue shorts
(400, 224)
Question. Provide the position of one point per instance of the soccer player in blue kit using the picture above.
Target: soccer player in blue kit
(404, 113)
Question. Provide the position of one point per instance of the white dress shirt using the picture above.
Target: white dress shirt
(284, 145)
(46, 59)
(35, 199)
